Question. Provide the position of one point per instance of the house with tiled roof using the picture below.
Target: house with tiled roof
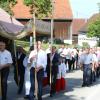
(93, 18)
(77, 24)
(83, 30)
(62, 17)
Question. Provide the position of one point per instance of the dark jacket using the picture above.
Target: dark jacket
(20, 61)
(55, 63)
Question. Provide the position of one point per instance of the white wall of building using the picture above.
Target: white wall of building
(83, 38)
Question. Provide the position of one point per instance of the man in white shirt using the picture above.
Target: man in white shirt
(87, 62)
(5, 63)
(38, 60)
(93, 52)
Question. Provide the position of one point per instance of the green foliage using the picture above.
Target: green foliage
(7, 4)
(26, 45)
(28, 2)
(85, 45)
(94, 29)
(42, 8)
(77, 46)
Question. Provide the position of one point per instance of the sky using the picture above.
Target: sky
(84, 8)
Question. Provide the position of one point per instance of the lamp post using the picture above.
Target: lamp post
(99, 13)
(99, 6)
(52, 22)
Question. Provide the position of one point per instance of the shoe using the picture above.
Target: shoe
(19, 91)
(26, 97)
(52, 94)
(88, 85)
(83, 85)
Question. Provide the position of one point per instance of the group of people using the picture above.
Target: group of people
(35, 66)
(90, 65)
(87, 59)
(49, 66)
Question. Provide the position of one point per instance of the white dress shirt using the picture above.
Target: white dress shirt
(27, 76)
(86, 58)
(5, 57)
(40, 58)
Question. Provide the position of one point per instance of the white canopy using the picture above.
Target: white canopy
(13, 29)
(9, 26)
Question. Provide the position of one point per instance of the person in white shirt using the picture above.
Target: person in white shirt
(87, 62)
(60, 83)
(98, 67)
(92, 51)
(38, 60)
(27, 74)
(61, 48)
(19, 69)
(5, 63)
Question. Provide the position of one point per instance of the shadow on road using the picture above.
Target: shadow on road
(71, 85)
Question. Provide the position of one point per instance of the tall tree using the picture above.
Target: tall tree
(7, 4)
(94, 29)
(42, 8)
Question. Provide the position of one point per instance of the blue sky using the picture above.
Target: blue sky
(84, 8)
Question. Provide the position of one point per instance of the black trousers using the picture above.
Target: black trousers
(53, 79)
(39, 77)
(69, 63)
(98, 72)
(48, 73)
(87, 74)
(73, 63)
(19, 77)
(4, 77)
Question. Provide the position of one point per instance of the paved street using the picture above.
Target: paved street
(73, 91)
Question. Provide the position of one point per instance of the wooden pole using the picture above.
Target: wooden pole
(16, 64)
(31, 41)
(52, 29)
(51, 51)
(0, 85)
(34, 37)
(34, 29)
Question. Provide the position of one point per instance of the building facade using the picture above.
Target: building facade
(62, 17)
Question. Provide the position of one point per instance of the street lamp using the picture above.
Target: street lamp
(99, 6)
(52, 22)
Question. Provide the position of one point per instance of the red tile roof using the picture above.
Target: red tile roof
(93, 18)
(77, 24)
(21, 11)
(62, 10)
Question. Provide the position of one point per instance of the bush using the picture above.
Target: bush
(58, 41)
(85, 45)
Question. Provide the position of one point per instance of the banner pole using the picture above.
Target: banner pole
(16, 64)
(0, 85)
(52, 30)
(34, 39)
